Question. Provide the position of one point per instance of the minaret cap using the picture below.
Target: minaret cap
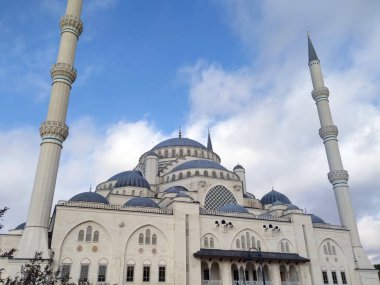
(312, 54)
(209, 143)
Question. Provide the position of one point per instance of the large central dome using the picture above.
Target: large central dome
(179, 142)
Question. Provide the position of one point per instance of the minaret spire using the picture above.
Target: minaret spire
(337, 176)
(209, 143)
(53, 132)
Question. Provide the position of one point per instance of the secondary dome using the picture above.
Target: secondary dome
(238, 167)
(274, 196)
(179, 142)
(292, 207)
(233, 208)
(130, 178)
(199, 163)
(176, 189)
(89, 197)
(141, 202)
(316, 220)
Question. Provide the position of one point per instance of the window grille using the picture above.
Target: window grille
(65, 272)
(130, 273)
(217, 197)
(325, 277)
(161, 274)
(102, 272)
(146, 274)
(83, 275)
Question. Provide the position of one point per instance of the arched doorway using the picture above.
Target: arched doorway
(215, 272)
(234, 274)
(205, 272)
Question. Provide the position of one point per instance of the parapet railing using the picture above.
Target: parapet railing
(114, 207)
(243, 215)
(329, 226)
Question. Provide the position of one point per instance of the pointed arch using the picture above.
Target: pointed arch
(103, 261)
(85, 261)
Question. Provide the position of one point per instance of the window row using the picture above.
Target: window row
(89, 236)
(329, 249)
(147, 239)
(83, 273)
(146, 273)
(334, 277)
(104, 186)
(188, 174)
(206, 243)
(246, 242)
(181, 153)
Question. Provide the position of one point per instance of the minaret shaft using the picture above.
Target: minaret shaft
(338, 177)
(53, 132)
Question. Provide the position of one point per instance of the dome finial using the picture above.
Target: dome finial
(209, 143)
(308, 34)
(90, 187)
(179, 132)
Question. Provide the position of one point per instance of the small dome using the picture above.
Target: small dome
(130, 178)
(175, 189)
(316, 220)
(182, 194)
(199, 163)
(21, 226)
(292, 207)
(91, 197)
(238, 167)
(179, 142)
(249, 195)
(151, 152)
(274, 196)
(141, 202)
(233, 208)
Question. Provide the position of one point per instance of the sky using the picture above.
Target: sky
(236, 67)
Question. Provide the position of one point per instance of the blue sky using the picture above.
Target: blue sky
(236, 67)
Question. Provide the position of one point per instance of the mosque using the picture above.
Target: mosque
(180, 217)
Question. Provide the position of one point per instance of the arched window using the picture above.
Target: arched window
(147, 236)
(333, 250)
(154, 239)
(166, 153)
(167, 178)
(242, 242)
(214, 174)
(211, 242)
(201, 154)
(237, 243)
(188, 174)
(141, 238)
(325, 249)
(88, 233)
(221, 175)
(195, 153)
(96, 236)
(253, 242)
(117, 192)
(173, 152)
(205, 173)
(196, 172)
(133, 192)
(205, 242)
(180, 175)
(287, 247)
(110, 185)
(248, 240)
(159, 153)
(258, 244)
(189, 152)
(228, 176)
(329, 248)
(141, 193)
(181, 152)
(123, 191)
(81, 235)
(173, 177)
(282, 247)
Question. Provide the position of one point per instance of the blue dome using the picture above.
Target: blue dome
(21, 226)
(141, 202)
(89, 197)
(130, 178)
(316, 220)
(238, 167)
(175, 189)
(182, 194)
(179, 142)
(200, 163)
(233, 208)
(249, 195)
(274, 196)
(292, 207)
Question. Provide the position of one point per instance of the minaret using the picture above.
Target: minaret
(209, 143)
(53, 132)
(337, 176)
